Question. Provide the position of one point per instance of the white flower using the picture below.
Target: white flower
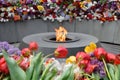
(60, 19)
(76, 70)
(2, 14)
(49, 1)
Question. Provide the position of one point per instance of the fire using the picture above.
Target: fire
(61, 33)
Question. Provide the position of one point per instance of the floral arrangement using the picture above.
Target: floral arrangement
(60, 10)
(92, 64)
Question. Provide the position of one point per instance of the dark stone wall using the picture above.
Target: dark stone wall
(15, 31)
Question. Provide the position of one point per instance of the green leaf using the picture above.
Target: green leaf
(111, 69)
(32, 67)
(45, 72)
(106, 78)
(117, 74)
(96, 76)
(103, 1)
(15, 71)
(51, 74)
(119, 70)
(38, 66)
(71, 76)
(6, 78)
(66, 73)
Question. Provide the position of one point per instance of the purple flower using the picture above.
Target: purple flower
(67, 17)
(29, 1)
(13, 51)
(100, 68)
(102, 73)
(53, 1)
(9, 48)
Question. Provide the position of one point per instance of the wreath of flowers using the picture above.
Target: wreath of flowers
(60, 10)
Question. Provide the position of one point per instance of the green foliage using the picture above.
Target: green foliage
(15, 70)
(114, 71)
(66, 74)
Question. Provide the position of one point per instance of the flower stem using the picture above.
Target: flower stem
(106, 69)
(49, 55)
(88, 76)
(1, 76)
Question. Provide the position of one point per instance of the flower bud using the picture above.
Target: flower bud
(26, 52)
(33, 46)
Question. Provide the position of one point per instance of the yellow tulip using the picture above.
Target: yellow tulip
(90, 48)
(71, 59)
(87, 49)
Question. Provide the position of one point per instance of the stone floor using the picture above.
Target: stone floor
(109, 47)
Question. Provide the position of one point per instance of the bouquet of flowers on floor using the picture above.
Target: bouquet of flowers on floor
(92, 64)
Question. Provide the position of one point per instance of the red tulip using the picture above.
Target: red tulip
(117, 59)
(61, 52)
(33, 46)
(48, 61)
(83, 63)
(26, 52)
(2, 60)
(4, 68)
(84, 79)
(111, 57)
(100, 53)
(24, 64)
(90, 68)
(16, 57)
(81, 56)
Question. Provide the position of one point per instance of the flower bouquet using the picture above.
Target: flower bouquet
(92, 64)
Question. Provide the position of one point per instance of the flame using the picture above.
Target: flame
(61, 33)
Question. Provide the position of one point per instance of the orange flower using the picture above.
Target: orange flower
(16, 18)
(22, 1)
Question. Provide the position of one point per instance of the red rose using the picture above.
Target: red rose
(81, 56)
(61, 52)
(100, 53)
(26, 52)
(33, 46)
(111, 57)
